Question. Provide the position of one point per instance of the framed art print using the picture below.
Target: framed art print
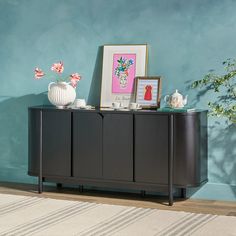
(121, 64)
(148, 91)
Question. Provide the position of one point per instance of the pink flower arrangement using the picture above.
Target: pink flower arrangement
(74, 78)
(59, 68)
(38, 73)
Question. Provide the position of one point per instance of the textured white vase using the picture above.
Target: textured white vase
(61, 94)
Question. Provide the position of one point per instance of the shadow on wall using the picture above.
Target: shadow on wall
(14, 136)
(222, 161)
(221, 145)
(95, 87)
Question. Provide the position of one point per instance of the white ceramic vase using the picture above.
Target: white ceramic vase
(123, 80)
(61, 94)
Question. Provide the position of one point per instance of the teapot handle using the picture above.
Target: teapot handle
(49, 86)
(166, 98)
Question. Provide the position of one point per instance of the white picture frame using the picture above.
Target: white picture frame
(121, 64)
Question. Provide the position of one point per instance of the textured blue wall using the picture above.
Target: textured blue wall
(185, 38)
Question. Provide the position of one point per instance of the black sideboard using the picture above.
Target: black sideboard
(135, 150)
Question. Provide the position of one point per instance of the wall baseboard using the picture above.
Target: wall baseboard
(214, 191)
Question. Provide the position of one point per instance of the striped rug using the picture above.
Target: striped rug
(20, 215)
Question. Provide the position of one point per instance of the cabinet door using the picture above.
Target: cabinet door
(56, 143)
(33, 141)
(118, 147)
(190, 135)
(151, 148)
(87, 144)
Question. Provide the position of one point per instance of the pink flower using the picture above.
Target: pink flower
(58, 67)
(74, 79)
(38, 73)
(75, 76)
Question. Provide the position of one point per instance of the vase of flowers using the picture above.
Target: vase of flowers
(61, 93)
(122, 71)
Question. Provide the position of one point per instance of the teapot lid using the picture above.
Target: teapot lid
(176, 94)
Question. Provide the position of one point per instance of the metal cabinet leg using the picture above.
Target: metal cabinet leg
(183, 193)
(40, 177)
(171, 199)
(40, 184)
(81, 188)
(170, 161)
(59, 185)
(143, 193)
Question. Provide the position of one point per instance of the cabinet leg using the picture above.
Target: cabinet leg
(40, 176)
(40, 184)
(81, 188)
(170, 160)
(183, 193)
(59, 185)
(143, 193)
(171, 200)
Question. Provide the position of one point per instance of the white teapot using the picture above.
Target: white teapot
(176, 100)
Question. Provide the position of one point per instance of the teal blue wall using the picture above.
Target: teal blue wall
(185, 38)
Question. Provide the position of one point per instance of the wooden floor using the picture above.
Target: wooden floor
(127, 199)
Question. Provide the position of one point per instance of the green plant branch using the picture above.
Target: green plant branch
(225, 104)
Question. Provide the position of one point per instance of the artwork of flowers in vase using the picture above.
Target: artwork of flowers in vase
(121, 65)
(123, 73)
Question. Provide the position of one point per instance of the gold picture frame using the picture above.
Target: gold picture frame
(148, 91)
(114, 57)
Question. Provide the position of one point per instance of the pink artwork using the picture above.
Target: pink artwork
(123, 73)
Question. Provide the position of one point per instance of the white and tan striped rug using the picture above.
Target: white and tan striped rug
(20, 215)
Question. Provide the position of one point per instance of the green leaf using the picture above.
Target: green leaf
(224, 104)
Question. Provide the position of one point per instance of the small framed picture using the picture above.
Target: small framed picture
(148, 91)
(121, 64)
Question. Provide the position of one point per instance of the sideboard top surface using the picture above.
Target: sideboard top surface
(104, 110)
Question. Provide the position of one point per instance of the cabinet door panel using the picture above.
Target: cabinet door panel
(190, 135)
(118, 147)
(56, 143)
(87, 145)
(151, 148)
(34, 141)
